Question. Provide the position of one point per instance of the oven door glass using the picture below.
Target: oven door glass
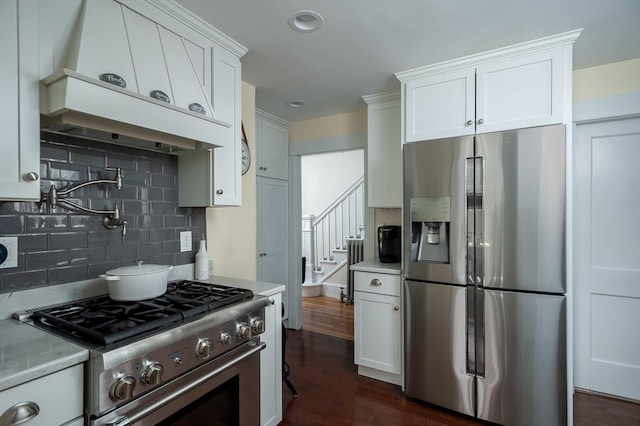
(219, 407)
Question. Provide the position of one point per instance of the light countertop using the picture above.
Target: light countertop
(374, 265)
(28, 353)
(258, 287)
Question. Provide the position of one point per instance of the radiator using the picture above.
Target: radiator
(355, 254)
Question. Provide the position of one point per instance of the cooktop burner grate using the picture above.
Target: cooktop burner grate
(103, 321)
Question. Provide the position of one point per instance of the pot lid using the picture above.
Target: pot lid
(139, 269)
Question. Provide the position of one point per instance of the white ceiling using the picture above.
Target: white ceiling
(364, 42)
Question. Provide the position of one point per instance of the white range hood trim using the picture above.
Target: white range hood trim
(78, 100)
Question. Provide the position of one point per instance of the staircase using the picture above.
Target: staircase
(324, 239)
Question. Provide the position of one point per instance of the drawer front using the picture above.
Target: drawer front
(377, 283)
(58, 396)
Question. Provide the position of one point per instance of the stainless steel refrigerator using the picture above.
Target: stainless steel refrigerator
(484, 256)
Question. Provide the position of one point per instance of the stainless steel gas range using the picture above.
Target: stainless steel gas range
(185, 357)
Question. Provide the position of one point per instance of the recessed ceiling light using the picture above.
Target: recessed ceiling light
(306, 21)
(297, 104)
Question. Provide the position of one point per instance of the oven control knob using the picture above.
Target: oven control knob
(225, 338)
(204, 348)
(123, 388)
(257, 325)
(244, 331)
(152, 373)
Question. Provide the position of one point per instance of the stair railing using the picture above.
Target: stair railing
(343, 219)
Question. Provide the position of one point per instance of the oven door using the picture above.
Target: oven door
(224, 391)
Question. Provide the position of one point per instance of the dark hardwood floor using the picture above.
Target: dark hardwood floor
(327, 316)
(332, 393)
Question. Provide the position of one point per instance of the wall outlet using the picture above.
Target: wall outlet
(8, 252)
(185, 241)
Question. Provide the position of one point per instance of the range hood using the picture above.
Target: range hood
(129, 78)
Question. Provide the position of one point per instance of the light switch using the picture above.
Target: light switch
(8, 252)
(185, 241)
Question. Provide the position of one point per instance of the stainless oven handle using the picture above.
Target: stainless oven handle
(148, 409)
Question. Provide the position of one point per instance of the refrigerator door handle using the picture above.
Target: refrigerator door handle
(479, 222)
(470, 219)
(470, 263)
(474, 177)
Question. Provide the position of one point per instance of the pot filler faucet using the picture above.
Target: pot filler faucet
(112, 218)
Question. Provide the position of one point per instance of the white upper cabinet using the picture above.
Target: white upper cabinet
(442, 105)
(272, 146)
(521, 92)
(212, 177)
(19, 121)
(384, 150)
(520, 86)
(226, 96)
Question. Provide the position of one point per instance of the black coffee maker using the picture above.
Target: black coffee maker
(389, 247)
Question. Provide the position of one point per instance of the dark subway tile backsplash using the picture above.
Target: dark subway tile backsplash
(60, 246)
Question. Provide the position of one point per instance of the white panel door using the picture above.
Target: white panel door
(440, 106)
(607, 257)
(272, 234)
(523, 92)
(384, 155)
(271, 365)
(225, 98)
(272, 148)
(19, 120)
(377, 332)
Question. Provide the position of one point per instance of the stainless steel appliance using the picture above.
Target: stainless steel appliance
(188, 355)
(483, 257)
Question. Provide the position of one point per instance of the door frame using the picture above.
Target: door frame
(296, 151)
(609, 108)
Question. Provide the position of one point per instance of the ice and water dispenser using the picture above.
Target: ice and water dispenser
(430, 229)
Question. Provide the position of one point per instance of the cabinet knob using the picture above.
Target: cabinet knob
(396, 308)
(219, 192)
(376, 282)
(480, 121)
(32, 176)
(469, 123)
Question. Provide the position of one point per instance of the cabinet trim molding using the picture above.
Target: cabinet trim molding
(526, 48)
(275, 118)
(194, 22)
(392, 96)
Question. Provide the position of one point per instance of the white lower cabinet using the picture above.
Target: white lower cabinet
(378, 326)
(271, 364)
(57, 396)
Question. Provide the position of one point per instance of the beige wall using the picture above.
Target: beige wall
(329, 126)
(607, 80)
(231, 231)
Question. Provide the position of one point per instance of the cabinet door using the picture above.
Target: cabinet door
(377, 331)
(439, 106)
(271, 365)
(226, 101)
(58, 396)
(384, 159)
(272, 148)
(522, 92)
(272, 264)
(19, 121)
